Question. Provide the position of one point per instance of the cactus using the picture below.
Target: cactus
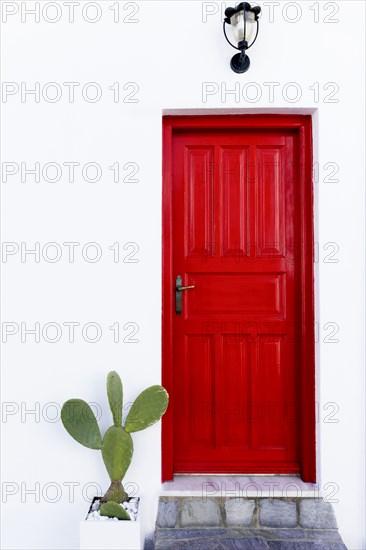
(116, 445)
(113, 510)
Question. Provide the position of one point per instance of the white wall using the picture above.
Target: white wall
(169, 53)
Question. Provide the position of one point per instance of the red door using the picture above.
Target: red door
(236, 355)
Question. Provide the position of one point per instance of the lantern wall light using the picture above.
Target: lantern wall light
(244, 24)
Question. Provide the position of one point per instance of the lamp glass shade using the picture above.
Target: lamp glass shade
(237, 25)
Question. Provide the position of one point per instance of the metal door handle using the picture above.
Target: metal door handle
(180, 288)
(178, 293)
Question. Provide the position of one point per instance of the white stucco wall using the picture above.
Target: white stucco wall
(169, 53)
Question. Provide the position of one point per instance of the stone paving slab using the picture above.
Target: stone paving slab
(297, 535)
(197, 513)
(275, 534)
(281, 545)
(212, 543)
(239, 512)
(277, 513)
(167, 513)
(317, 514)
(245, 543)
(293, 534)
(193, 533)
(323, 535)
(235, 523)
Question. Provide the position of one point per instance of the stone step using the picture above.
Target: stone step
(248, 523)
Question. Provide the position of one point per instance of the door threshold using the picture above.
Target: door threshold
(253, 485)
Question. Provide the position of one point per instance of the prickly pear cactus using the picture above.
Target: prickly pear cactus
(147, 409)
(116, 445)
(79, 420)
(113, 510)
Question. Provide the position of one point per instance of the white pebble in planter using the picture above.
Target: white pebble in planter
(102, 533)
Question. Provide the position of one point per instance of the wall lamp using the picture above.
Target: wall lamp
(242, 19)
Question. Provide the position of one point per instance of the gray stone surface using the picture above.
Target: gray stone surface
(277, 513)
(167, 513)
(197, 513)
(276, 534)
(149, 543)
(239, 512)
(247, 544)
(306, 535)
(317, 514)
(281, 545)
(242, 523)
(193, 533)
(212, 543)
(323, 535)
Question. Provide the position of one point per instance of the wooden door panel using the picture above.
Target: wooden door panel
(234, 236)
(269, 388)
(241, 294)
(198, 201)
(234, 380)
(270, 207)
(196, 384)
(236, 356)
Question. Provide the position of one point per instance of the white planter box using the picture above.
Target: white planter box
(112, 535)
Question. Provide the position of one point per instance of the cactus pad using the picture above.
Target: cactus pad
(147, 409)
(113, 510)
(117, 450)
(79, 420)
(115, 396)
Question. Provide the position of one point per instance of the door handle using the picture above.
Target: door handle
(178, 293)
(180, 288)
